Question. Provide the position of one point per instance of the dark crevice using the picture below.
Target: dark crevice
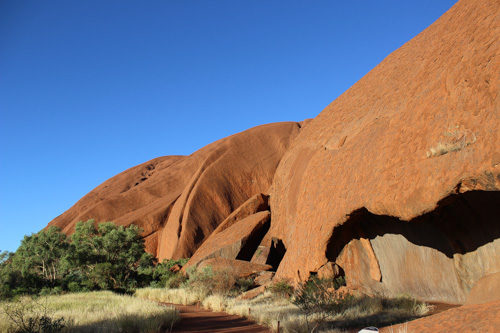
(148, 234)
(198, 236)
(461, 223)
(253, 241)
(276, 253)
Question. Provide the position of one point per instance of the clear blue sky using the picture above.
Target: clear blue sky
(91, 88)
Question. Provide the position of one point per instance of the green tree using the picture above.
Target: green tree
(110, 256)
(103, 257)
(43, 254)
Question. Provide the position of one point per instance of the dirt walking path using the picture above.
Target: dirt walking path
(198, 319)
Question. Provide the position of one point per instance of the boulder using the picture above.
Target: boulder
(270, 251)
(398, 179)
(252, 293)
(486, 289)
(239, 268)
(238, 241)
(329, 270)
(264, 278)
(261, 254)
(255, 204)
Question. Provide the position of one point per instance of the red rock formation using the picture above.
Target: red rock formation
(238, 241)
(395, 180)
(255, 204)
(394, 185)
(233, 170)
(467, 318)
(180, 200)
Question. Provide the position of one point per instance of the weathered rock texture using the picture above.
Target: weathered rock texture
(397, 179)
(180, 200)
(467, 318)
(255, 204)
(238, 241)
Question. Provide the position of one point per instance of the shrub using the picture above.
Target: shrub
(318, 298)
(74, 287)
(45, 291)
(322, 302)
(175, 280)
(163, 276)
(244, 284)
(206, 281)
(281, 289)
(32, 316)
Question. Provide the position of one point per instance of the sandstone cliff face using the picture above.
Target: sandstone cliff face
(396, 181)
(395, 185)
(180, 200)
(233, 170)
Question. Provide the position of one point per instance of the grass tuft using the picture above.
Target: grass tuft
(456, 139)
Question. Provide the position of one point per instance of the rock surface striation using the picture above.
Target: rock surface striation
(397, 180)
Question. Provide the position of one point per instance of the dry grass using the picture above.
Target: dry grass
(454, 140)
(98, 312)
(402, 329)
(267, 309)
(177, 295)
(379, 311)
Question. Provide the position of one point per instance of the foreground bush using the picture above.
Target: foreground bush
(207, 282)
(101, 311)
(29, 315)
(281, 289)
(164, 274)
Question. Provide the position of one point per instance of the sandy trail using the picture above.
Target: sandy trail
(198, 319)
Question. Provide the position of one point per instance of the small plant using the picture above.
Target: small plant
(455, 139)
(281, 289)
(244, 284)
(175, 280)
(50, 291)
(166, 275)
(75, 287)
(207, 281)
(319, 299)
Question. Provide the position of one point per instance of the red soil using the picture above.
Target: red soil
(197, 319)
